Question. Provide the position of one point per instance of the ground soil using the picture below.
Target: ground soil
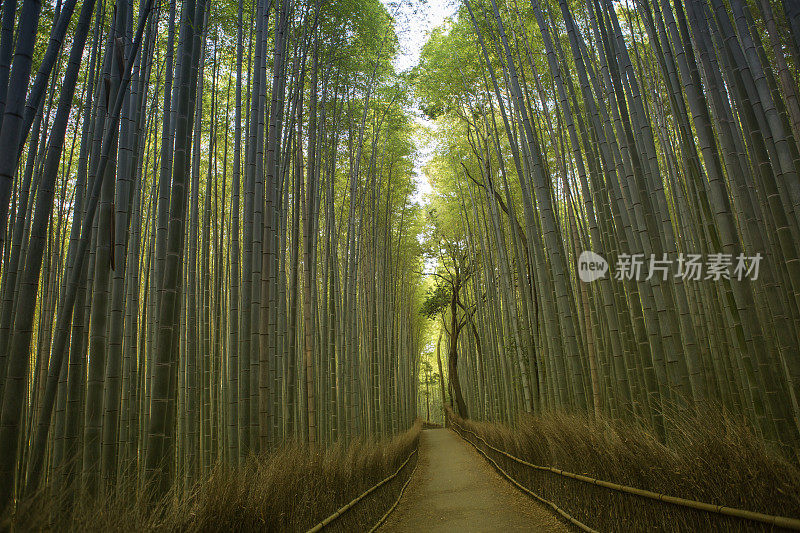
(455, 489)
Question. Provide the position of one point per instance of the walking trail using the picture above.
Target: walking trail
(455, 489)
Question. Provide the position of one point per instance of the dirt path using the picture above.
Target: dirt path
(455, 489)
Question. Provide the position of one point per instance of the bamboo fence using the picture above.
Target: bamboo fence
(772, 520)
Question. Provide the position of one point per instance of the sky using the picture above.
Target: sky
(414, 20)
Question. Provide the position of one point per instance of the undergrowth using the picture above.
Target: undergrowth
(290, 489)
(710, 456)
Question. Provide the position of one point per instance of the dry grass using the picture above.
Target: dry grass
(291, 489)
(711, 457)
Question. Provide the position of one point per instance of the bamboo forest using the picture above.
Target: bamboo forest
(399, 265)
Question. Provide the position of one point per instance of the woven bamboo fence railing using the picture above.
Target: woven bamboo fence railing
(761, 518)
(342, 510)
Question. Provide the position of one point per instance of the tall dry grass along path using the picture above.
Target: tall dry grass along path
(454, 489)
